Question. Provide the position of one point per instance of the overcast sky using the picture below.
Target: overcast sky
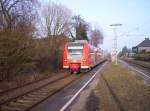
(134, 15)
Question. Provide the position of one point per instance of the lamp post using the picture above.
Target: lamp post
(115, 50)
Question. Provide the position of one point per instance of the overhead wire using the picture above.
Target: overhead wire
(135, 29)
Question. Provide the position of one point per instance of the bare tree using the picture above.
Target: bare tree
(17, 26)
(56, 19)
(96, 37)
(81, 28)
(14, 12)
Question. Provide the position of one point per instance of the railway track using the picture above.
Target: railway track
(140, 68)
(92, 75)
(28, 100)
(18, 87)
(14, 92)
(137, 64)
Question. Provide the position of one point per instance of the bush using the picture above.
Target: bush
(23, 54)
(16, 54)
(143, 57)
(48, 53)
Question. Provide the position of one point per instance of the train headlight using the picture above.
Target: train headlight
(69, 57)
(74, 61)
(65, 60)
(83, 60)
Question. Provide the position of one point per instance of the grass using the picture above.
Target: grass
(131, 90)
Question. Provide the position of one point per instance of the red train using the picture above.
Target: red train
(80, 55)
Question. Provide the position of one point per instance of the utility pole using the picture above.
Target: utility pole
(114, 47)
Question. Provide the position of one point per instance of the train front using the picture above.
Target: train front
(72, 56)
(75, 52)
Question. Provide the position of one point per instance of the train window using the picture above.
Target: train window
(91, 51)
(75, 44)
(75, 51)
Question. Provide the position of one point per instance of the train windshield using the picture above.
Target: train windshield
(75, 50)
(75, 53)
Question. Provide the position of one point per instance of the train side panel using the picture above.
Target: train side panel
(85, 57)
(65, 57)
(92, 57)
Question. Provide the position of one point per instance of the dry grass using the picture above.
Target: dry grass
(132, 92)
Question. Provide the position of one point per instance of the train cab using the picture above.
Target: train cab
(79, 55)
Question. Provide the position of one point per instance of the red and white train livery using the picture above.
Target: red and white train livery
(80, 55)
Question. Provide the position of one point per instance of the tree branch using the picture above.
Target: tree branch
(13, 4)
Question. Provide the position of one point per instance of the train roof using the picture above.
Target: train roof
(77, 43)
(81, 41)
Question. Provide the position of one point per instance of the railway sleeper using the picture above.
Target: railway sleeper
(30, 99)
(25, 101)
(35, 93)
(19, 104)
(34, 96)
(43, 92)
(39, 96)
(8, 108)
(39, 93)
(46, 89)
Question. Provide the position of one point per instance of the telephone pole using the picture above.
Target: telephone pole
(114, 47)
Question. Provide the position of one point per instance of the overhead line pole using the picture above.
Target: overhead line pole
(114, 48)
